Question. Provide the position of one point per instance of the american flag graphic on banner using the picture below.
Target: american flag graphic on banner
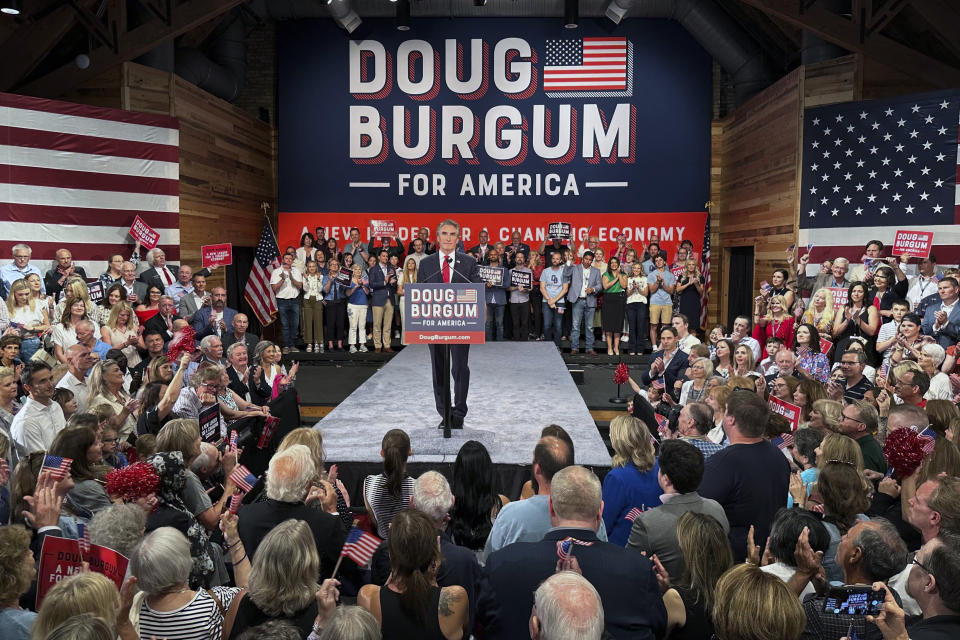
(468, 296)
(360, 546)
(258, 293)
(57, 466)
(77, 176)
(870, 168)
(586, 65)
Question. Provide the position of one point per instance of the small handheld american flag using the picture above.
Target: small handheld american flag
(235, 502)
(83, 538)
(565, 547)
(57, 466)
(242, 477)
(360, 546)
(633, 514)
(233, 441)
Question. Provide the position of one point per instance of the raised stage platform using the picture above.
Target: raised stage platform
(516, 388)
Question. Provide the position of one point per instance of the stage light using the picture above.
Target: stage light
(403, 15)
(343, 13)
(617, 10)
(479, 3)
(571, 14)
(10, 7)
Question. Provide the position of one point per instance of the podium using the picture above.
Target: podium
(444, 314)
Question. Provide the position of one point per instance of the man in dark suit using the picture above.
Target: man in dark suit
(942, 321)
(423, 234)
(55, 278)
(515, 247)
(216, 319)
(669, 362)
(449, 265)
(162, 274)
(163, 322)
(624, 579)
(288, 480)
(479, 251)
(383, 291)
(240, 323)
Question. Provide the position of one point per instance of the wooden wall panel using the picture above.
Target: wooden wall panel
(880, 81)
(102, 91)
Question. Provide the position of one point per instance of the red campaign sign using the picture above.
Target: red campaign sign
(110, 563)
(788, 410)
(59, 558)
(825, 345)
(143, 232)
(839, 297)
(916, 244)
(383, 228)
(671, 228)
(217, 255)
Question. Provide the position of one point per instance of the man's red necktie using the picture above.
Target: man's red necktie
(446, 270)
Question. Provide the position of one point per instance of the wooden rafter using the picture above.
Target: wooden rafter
(846, 33)
(162, 9)
(943, 17)
(132, 44)
(882, 16)
(104, 32)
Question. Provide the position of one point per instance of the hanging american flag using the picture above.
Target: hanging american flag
(57, 466)
(258, 293)
(360, 546)
(590, 64)
(870, 168)
(77, 176)
(705, 270)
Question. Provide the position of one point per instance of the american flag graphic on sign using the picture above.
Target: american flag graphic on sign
(77, 176)
(258, 292)
(467, 296)
(870, 168)
(598, 66)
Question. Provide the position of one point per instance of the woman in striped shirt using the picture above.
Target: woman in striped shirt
(388, 493)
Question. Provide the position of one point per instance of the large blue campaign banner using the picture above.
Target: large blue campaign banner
(492, 116)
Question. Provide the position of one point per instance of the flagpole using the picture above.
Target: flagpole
(336, 567)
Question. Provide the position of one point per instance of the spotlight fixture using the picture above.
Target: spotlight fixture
(403, 15)
(10, 7)
(617, 10)
(571, 14)
(343, 13)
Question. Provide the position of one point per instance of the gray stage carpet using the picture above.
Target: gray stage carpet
(516, 388)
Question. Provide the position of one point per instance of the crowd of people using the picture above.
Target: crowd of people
(717, 517)
(617, 296)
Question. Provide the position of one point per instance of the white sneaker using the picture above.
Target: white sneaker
(318, 348)
(624, 338)
(285, 350)
(309, 348)
(294, 350)
(353, 349)
(363, 348)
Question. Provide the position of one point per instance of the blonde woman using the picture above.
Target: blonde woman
(106, 387)
(36, 290)
(689, 292)
(750, 604)
(743, 361)
(312, 305)
(28, 317)
(86, 592)
(637, 311)
(121, 331)
(777, 322)
(357, 310)
(77, 288)
(632, 481)
(825, 416)
(407, 276)
(695, 389)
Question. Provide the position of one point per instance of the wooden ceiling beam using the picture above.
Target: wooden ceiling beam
(882, 15)
(845, 33)
(32, 42)
(100, 30)
(132, 44)
(943, 18)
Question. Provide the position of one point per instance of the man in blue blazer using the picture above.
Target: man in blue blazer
(383, 291)
(632, 604)
(582, 296)
(669, 362)
(942, 321)
(450, 265)
(218, 319)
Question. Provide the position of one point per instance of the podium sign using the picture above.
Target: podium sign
(441, 313)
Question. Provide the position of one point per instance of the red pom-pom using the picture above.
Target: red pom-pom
(184, 343)
(904, 451)
(135, 481)
(622, 373)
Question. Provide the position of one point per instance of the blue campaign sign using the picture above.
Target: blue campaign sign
(493, 115)
(440, 313)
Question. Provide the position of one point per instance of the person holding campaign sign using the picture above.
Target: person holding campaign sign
(521, 284)
(496, 295)
(449, 265)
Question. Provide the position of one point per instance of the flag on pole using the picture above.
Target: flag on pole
(57, 466)
(235, 502)
(565, 547)
(258, 292)
(705, 270)
(360, 546)
(242, 477)
(633, 514)
(83, 538)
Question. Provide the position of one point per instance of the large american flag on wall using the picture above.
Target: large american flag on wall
(870, 168)
(76, 176)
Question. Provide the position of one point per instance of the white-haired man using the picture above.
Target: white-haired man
(19, 268)
(289, 477)
(161, 273)
(566, 607)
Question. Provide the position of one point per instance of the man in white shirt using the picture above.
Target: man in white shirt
(741, 335)
(924, 283)
(418, 252)
(79, 361)
(286, 282)
(685, 339)
(40, 419)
